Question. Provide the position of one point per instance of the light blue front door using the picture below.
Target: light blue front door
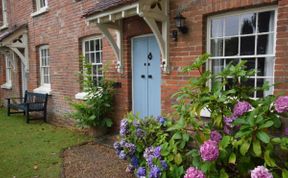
(146, 77)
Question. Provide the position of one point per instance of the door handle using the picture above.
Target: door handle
(150, 56)
(142, 76)
(150, 76)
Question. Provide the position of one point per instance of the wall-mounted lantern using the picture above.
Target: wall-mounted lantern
(180, 24)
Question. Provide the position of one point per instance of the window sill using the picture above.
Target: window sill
(81, 96)
(7, 86)
(43, 90)
(3, 27)
(39, 12)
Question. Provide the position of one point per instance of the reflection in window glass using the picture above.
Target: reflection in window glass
(217, 47)
(231, 26)
(247, 45)
(248, 23)
(217, 28)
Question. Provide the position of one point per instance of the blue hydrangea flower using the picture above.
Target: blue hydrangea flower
(135, 162)
(122, 155)
(157, 152)
(161, 120)
(117, 146)
(131, 148)
(124, 127)
(140, 133)
(155, 172)
(164, 165)
(141, 172)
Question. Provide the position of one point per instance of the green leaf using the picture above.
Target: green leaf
(264, 137)
(245, 147)
(268, 160)
(178, 159)
(284, 173)
(177, 136)
(257, 148)
(232, 158)
(276, 140)
(225, 141)
(266, 125)
(223, 174)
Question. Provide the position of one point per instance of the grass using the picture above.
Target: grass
(32, 150)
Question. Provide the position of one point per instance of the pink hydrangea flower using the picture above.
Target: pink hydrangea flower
(241, 108)
(281, 104)
(209, 150)
(261, 172)
(194, 173)
(215, 136)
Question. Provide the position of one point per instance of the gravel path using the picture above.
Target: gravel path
(93, 160)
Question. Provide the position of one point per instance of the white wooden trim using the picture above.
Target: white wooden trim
(143, 9)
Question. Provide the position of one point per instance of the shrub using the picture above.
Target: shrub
(94, 110)
(238, 140)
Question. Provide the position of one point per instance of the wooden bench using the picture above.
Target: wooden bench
(32, 102)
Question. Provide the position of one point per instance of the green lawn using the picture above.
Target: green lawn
(32, 150)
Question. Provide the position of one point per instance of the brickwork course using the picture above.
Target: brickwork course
(63, 27)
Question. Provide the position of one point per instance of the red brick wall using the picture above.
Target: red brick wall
(63, 28)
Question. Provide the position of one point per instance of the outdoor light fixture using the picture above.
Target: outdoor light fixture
(180, 24)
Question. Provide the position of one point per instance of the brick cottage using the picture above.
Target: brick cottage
(141, 42)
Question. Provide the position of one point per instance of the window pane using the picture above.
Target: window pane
(247, 45)
(217, 28)
(217, 65)
(250, 64)
(98, 57)
(217, 47)
(260, 93)
(266, 21)
(231, 46)
(265, 67)
(94, 68)
(97, 45)
(265, 44)
(87, 46)
(249, 83)
(248, 23)
(92, 57)
(233, 62)
(232, 26)
(92, 45)
(100, 72)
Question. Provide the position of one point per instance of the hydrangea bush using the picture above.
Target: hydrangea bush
(240, 139)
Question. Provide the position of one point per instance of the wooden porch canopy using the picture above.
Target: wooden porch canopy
(109, 14)
(16, 40)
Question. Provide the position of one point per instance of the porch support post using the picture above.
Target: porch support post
(117, 44)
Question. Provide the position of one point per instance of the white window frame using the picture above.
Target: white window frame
(39, 8)
(83, 95)
(44, 87)
(95, 51)
(4, 15)
(8, 70)
(46, 66)
(242, 12)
